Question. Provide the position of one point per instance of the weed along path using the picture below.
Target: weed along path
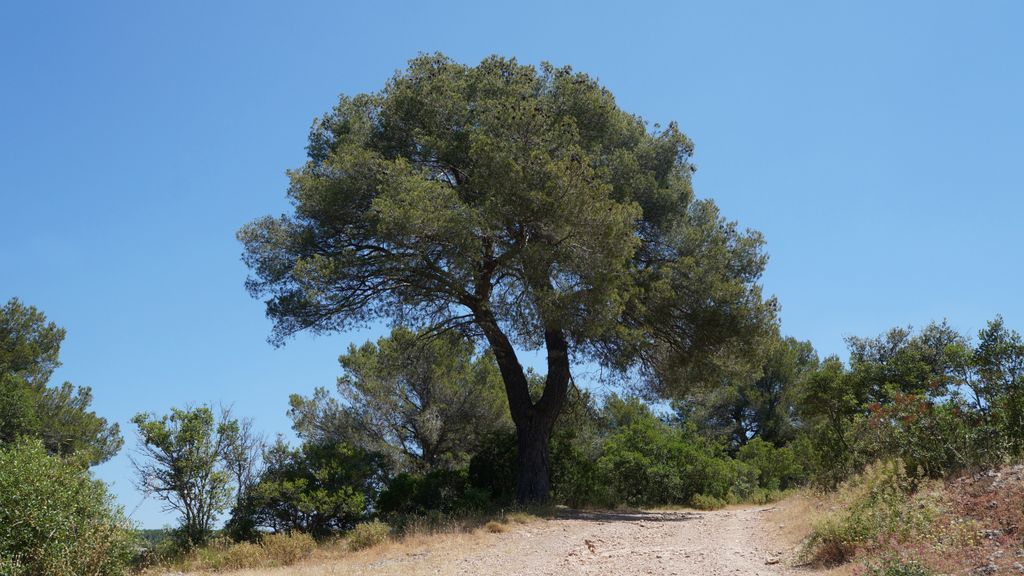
(734, 542)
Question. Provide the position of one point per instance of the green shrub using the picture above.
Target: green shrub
(368, 534)
(745, 482)
(648, 462)
(703, 502)
(439, 491)
(57, 521)
(777, 468)
(493, 467)
(318, 489)
(880, 506)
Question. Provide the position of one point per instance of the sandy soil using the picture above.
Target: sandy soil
(735, 542)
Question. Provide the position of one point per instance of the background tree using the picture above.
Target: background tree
(523, 207)
(184, 457)
(318, 488)
(243, 456)
(58, 416)
(762, 405)
(424, 401)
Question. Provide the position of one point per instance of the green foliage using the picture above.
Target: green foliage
(184, 464)
(903, 397)
(443, 491)
(702, 502)
(493, 467)
(880, 505)
(455, 178)
(368, 534)
(319, 489)
(754, 404)
(521, 206)
(777, 468)
(425, 400)
(59, 415)
(646, 462)
(57, 521)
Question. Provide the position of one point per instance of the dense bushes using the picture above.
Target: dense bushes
(443, 491)
(318, 489)
(877, 506)
(932, 399)
(624, 454)
(55, 520)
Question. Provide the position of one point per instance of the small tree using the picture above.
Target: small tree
(244, 456)
(185, 464)
(318, 488)
(425, 401)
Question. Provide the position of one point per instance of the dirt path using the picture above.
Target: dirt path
(699, 543)
(721, 543)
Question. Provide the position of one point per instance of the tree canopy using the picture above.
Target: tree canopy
(424, 402)
(521, 206)
(58, 416)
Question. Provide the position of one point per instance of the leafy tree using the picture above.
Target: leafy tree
(184, 464)
(901, 362)
(523, 207)
(763, 405)
(645, 461)
(59, 416)
(427, 402)
(318, 488)
(994, 367)
(55, 520)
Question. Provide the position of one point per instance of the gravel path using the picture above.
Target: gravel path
(720, 543)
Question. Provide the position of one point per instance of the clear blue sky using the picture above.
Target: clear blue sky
(877, 145)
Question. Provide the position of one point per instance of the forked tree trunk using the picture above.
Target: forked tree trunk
(534, 420)
(533, 474)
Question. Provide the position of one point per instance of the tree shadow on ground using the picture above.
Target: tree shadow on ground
(627, 515)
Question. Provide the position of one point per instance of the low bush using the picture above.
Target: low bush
(221, 553)
(237, 556)
(368, 534)
(287, 549)
(879, 505)
(318, 488)
(777, 468)
(894, 567)
(57, 521)
(438, 492)
(702, 502)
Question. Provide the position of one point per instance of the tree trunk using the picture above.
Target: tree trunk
(533, 474)
(534, 420)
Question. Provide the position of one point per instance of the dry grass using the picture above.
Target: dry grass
(394, 556)
(796, 516)
(355, 554)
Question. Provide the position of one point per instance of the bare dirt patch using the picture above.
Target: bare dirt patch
(733, 542)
